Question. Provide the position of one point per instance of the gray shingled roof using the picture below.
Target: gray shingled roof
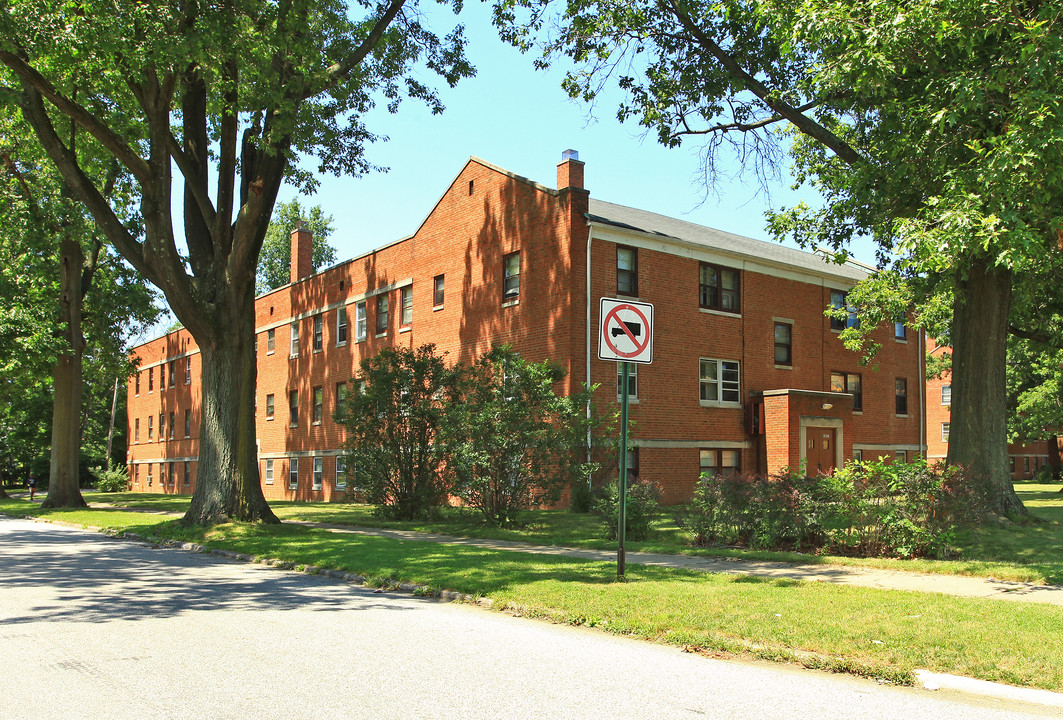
(628, 218)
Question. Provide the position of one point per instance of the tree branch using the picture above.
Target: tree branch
(115, 144)
(37, 116)
(339, 71)
(802, 122)
(1053, 341)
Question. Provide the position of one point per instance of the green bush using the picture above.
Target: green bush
(110, 479)
(642, 507)
(866, 509)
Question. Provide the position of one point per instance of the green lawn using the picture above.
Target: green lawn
(873, 632)
(1030, 552)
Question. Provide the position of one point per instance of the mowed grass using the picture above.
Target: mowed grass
(879, 633)
(1026, 552)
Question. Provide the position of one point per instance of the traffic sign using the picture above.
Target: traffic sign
(625, 331)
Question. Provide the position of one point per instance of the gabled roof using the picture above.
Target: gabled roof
(667, 228)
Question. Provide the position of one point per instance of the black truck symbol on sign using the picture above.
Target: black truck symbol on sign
(633, 327)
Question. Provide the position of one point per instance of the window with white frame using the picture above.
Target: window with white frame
(270, 403)
(632, 380)
(319, 472)
(269, 471)
(293, 408)
(901, 395)
(341, 473)
(293, 473)
(627, 271)
(406, 303)
(271, 340)
(188, 423)
(944, 432)
(319, 405)
(188, 371)
(294, 350)
(719, 381)
(341, 401)
(784, 344)
(511, 276)
(946, 394)
(319, 333)
(341, 326)
(360, 321)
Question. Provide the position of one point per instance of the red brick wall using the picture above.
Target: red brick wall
(484, 215)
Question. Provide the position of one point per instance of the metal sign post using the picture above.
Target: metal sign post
(621, 528)
(626, 336)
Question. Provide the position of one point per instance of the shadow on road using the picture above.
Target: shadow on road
(97, 579)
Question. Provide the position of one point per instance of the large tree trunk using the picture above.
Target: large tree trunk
(227, 480)
(63, 490)
(978, 437)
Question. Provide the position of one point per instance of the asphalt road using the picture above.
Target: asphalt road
(92, 627)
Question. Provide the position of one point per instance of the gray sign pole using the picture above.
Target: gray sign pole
(621, 528)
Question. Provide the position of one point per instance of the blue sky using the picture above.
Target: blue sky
(514, 116)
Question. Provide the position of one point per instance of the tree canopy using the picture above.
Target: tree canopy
(234, 96)
(931, 127)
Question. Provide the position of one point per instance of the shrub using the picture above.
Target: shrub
(866, 509)
(111, 479)
(513, 439)
(642, 506)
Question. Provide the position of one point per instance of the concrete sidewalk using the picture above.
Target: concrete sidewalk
(956, 585)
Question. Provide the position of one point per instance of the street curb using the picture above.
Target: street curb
(984, 688)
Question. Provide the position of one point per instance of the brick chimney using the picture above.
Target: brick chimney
(570, 171)
(302, 252)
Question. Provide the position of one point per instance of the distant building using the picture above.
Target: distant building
(748, 375)
(1024, 458)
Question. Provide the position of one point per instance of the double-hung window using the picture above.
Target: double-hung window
(944, 432)
(721, 462)
(341, 326)
(839, 300)
(319, 405)
(269, 472)
(269, 406)
(946, 394)
(293, 473)
(295, 340)
(632, 380)
(437, 291)
(271, 341)
(341, 473)
(188, 371)
(720, 381)
(718, 288)
(406, 306)
(627, 271)
(293, 408)
(511, 276)
(319, 472)
(360, 321)
(319, 333)
(901, 393)
(784, 344)
(341, 401)
(381, 314)
(851, 383)
(188, 423)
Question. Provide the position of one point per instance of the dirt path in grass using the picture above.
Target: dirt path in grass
(958, 585)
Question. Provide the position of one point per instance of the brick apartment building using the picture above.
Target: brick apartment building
(1024, 458)
(748, 375)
